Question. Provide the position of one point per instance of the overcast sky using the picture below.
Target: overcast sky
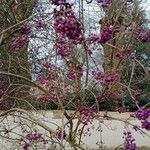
(146, 5)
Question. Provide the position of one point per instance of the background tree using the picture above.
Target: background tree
(140, 81)
(118, 48)
(14, 57)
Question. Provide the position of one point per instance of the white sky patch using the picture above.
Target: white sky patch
(146, 5)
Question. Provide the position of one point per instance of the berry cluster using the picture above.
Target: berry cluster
(143, 35)
(24, 29)
(105, 35)
(129, 141)
(93, 38)
(104, 80)
(87, 115)
(57, 2)
(63, 48)
(49, 73)
(67, 25)
(53, 98)
(49, 81)
(123, 54)
(143, 115)
(74, 74)
(22, 39)
(145, 125)
(71, 74)
(33, 137)
(120, 55)
(59, 134)
(19, 42)
(39, 24)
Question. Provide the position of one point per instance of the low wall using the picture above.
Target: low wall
(106, 133)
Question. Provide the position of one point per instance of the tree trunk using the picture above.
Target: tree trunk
(113, 17)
